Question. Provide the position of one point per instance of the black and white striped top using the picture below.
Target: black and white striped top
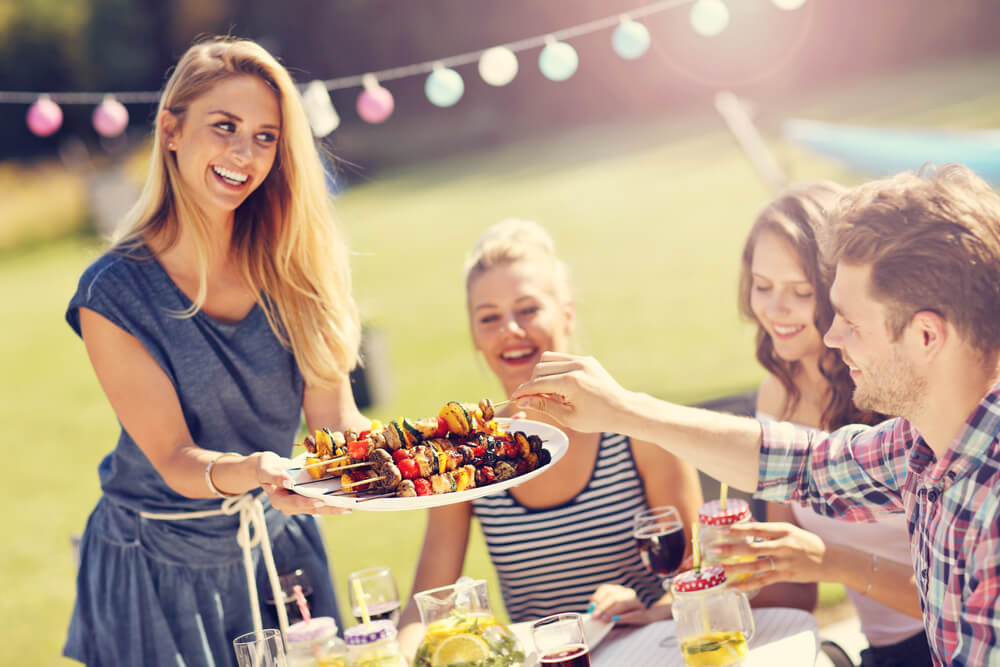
(550, 560)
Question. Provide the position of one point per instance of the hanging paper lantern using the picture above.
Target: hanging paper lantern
(709, 17)
(630, 39)
(788, 5)
(375, 103)
(498, 66)
(110, 118)
(444, 86)
(44, 117)
(558, 61)
(323, 118)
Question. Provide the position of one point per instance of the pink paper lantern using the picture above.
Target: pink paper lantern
(375, 104)
(44, 117)
(110, 118)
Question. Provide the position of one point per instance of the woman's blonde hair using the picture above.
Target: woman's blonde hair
(284, 237)
(515, 240)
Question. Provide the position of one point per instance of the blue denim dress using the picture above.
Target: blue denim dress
(158, 593)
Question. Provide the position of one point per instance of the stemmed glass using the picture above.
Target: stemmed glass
(381, 595)
(561, 641)
(659, 535)
(288, 581)
(260, 649)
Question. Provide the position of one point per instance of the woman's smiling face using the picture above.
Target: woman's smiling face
(514, 316)
(783, 300)
(226, 142)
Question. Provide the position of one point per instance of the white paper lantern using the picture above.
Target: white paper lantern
(709, 17)
(498, 66)
(323, 118)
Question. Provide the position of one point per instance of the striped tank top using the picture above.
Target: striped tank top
(550, 560)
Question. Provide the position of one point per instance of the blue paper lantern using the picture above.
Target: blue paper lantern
(558, 61)
(444, 87)
(709, 17)
(630, 39)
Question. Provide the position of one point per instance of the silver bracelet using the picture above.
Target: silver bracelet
(208, 475)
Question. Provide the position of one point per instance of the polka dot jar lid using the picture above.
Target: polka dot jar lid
(692, 581)
(712, 514)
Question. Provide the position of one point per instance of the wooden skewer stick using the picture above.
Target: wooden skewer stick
(390, 494)
(324, 462)
(347, 489)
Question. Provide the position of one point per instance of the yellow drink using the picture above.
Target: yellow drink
(478, 637)
(716, 649)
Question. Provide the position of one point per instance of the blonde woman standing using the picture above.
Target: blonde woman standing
(220, 313)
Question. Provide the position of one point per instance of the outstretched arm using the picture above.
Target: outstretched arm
(133, 381)
(580, 394)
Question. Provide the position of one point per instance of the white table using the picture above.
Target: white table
(781, 637)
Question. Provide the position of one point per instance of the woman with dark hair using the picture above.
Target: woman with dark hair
(785, 290)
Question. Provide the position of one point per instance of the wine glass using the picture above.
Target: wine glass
(659, 535)
(561, 641)
(379, 591)
(287, 582)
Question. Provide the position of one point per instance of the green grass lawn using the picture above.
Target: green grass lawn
(651, 219)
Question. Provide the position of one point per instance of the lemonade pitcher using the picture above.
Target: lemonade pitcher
(462, 630)
(713, 622)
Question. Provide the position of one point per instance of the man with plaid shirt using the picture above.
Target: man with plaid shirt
(917, 296)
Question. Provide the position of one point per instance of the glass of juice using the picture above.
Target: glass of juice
(560, 641)
(381, 595)
(659, 536)
(713, 622)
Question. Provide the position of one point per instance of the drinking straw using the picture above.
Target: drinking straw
(695, 554)
(723, 492)
(300, 597)
(360, 595)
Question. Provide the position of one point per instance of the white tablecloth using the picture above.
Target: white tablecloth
(781, 637)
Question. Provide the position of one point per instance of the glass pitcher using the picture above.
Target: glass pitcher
(713, 622)
(462, 630)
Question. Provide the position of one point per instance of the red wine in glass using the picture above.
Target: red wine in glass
(569, 656)
(661, 547)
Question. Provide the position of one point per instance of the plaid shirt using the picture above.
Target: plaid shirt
(953, 507)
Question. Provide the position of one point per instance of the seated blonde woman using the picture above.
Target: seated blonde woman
(558, 538)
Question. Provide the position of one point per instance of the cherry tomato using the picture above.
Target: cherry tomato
(479, 451)
(442, 428)
(400, 455)
(408, 469)
(488, 474)
(510, 450)
(364, 434)
(357, 449)
(422, 486)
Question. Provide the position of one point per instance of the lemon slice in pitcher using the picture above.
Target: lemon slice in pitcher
(464, 648)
